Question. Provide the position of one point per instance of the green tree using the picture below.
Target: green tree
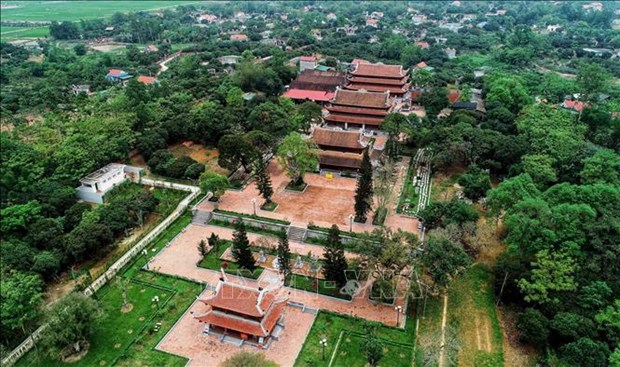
(443, 260)
(512, 191)
(585, 352)
(70, 323)
(534, 327)
(235, 150)
(263, 181)
(20, 300)
(552, 272)
(509, 92)
(602, 167)
(214, 241)
(335, 263)
(592, 79)
(298, 156)
(284, 258)
(241, 250)
(211, 181)
(540, 168)
(203, 250)
(372, 345)
(364, 190)
(475, 181)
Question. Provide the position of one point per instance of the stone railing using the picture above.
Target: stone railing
(256, 223)
(313, 233)
(27, 344)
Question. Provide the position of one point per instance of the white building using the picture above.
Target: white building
(94, 186)
(450, 52)
(307, 63)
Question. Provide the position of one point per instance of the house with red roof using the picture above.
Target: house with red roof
(308, 62)
(117, 75)
(239, 37)
(422, 45)
(148, 80)
(576, 106)
(251, 315)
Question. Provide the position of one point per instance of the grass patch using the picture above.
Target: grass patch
(329, 325)
(320, 286)
(270, 206)
(471, 306)
(326, 230)
(252, 216)
(296, 187)
(409, 196)
(112, 343)
(213, 262)
(11, 33)
(349, 352)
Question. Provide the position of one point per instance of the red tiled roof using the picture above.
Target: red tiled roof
(422, 44)
(357, 110)
(340, 159)
(359, 61)
(574, 105)
(361, 99)
(314, 95)
(240, 299)
(353, 119)
(115, 72)
(273, 315)
(378, 70)
(238, 37)
(153, 48)
(335, 138)
(378, 88)
(385, 81)
(232, 322)
(307, 58)
(147, 79)
(454, 95)
(415, 94)
(421, 65)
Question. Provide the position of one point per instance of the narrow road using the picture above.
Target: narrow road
(162, 64)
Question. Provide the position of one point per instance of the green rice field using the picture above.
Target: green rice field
(11, 33)
(76, 10)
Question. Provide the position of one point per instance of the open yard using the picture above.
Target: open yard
(76, 10)
(199, 153)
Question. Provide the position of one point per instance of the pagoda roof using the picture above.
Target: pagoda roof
(386, 81)
(337, 138)
(353, 119)
(380, 70)
(361, 99)
(241, 299)
(340, 159)
(378, 88)
(357, 110)
(243, 325)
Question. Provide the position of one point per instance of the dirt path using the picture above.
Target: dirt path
(444, 318)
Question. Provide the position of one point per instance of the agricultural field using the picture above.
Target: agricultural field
(75, 10)
(11, 33)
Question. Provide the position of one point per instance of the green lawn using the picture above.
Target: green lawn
(213, 262)
(11, 33)
(409, 198)
(329, 326)
(76, 10)
(128, 339)
(325, 287)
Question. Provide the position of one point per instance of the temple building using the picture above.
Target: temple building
(378, 78)
(242, 314)
(350, 109)
(342, 150)
(315, 85)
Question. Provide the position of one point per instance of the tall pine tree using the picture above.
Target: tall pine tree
(284, 258)
(241, 248)
(263, 181)
(363, 192)
(335, 264)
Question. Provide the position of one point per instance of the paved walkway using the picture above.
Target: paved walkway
(181, 256)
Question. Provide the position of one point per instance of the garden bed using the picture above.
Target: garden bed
(379, 217)
(223, 223)
(297, 188)
(213, 261)
(252, 216)
(270, 207)
(320, 286)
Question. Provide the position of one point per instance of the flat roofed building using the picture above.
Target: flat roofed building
(94, 186)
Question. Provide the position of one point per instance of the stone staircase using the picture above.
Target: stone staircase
(201, 217)
(297, 234)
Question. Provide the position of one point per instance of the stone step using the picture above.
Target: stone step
(297, 234)
(201, 218)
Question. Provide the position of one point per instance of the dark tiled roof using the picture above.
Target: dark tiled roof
(353, 119)
(318, 80)
(339, 159)
(381, 71)
(361, 99)
(357, 110)
(335, 138)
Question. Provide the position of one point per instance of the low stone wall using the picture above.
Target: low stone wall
(256, 223)
(313, 233)
(27, 344)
